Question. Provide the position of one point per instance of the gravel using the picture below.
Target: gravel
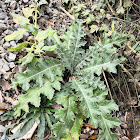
(2, 26)
(11, 57)
(13, 5)
(6, 67)
(12, 65)
(2, 16)
(13, 43)
(6, 45)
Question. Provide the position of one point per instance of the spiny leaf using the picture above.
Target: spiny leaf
(43, 69)
(76, 128)
(33, 96)
(108, 122)
(85, 94)
(60, 130)
(67, 114)
(15, 36)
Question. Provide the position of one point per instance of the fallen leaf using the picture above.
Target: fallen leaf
(93, 137)
(5, 85)
(88, 125)
(4, 106)
(15, 69)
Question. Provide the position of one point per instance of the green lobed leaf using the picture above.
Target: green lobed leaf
(67, 113)
(76, 129)
(60, 130)
(44, 69)
(15, 36)
(33, 96)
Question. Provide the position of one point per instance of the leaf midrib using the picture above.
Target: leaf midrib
(39, 73)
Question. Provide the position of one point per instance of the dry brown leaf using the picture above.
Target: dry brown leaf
(1, 99)
(9, 99)
(29, 134)
(4, 106)
(15, 69)
(93, 137)
(2, 71)
(5, 85)
(88, 125)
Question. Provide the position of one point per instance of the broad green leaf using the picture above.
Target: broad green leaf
(27, 59)
(18, 48)
(94, 28)
(41, 128)
(39, 47)
(20, 19)
(44, 34)
(49, 48)
(30, 28)
(28, 11)
(15, 36)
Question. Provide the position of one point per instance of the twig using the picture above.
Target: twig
(110, 8)
(67, 13)
(107, 85)
(129, 96)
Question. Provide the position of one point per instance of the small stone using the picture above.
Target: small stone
(7, 1)
(12, 57)
(25, 36)
(8, 32)
(13, 5)
(29, 38)
(2, 26)
(13, 43)
(2, 16)
(2, 21)
(5, 67)
(25, 1)
(6, 45)
(2, 128)
(12, 64)
(16, 26)
(1, 62)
